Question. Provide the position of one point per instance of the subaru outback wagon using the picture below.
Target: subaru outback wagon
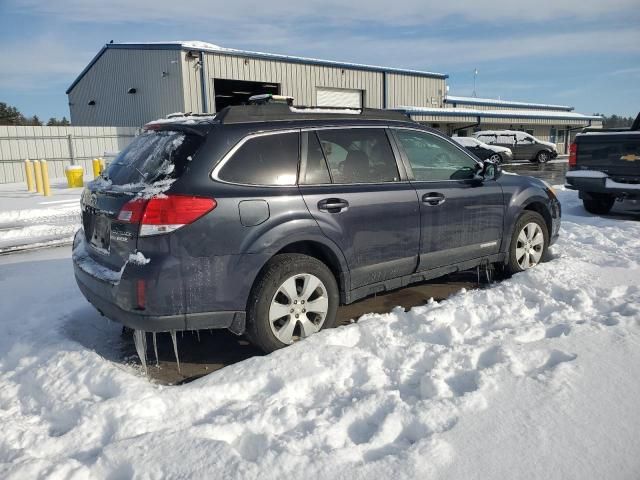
(263, 219)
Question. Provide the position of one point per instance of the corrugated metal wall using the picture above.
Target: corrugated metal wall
(114, 73)
(53, 145)
(192, 84)
(296, 79)
(414, 91)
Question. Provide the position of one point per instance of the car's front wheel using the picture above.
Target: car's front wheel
(529, 242)
(543, 156)
(496, 158)
(294, 297)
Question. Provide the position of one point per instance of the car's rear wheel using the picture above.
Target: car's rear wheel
(529, 242)
(598, 203)
(543, 156)
(496, 158)
(294, 297)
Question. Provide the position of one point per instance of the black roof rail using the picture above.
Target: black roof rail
(636, 123)
(270, 112)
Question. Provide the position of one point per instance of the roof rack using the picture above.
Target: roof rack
(270, 112)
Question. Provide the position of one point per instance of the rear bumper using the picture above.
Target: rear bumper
(102, 296)
(176, 295)
(593, 181)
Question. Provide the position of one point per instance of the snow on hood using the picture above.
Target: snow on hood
(497, 148)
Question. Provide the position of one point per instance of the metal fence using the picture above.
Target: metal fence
(60, 146)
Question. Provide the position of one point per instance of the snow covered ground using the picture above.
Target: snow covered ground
(535, 377)
(28, 219)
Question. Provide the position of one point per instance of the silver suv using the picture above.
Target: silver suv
(523, 145)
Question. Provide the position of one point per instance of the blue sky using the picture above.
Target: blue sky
(572, 52)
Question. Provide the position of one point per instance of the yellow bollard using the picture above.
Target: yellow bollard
(38, 170)
(46, 187)
(96, 167)
(28, 172)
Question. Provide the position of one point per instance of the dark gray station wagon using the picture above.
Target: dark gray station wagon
(262, 219)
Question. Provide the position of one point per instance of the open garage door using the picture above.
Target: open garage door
(339, 97)
(237, 92)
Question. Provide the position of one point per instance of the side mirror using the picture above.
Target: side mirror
(491, 170)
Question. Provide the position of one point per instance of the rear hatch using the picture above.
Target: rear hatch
(112, 204)
(616, 153)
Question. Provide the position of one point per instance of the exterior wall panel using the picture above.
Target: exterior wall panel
(117, 70)
(296, 79)
(410, 90)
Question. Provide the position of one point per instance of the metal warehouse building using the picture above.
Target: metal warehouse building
(129, 84)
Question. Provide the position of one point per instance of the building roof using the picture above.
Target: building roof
(524, 114)
(503, 103)
(210, 47)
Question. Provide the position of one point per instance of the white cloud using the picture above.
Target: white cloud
(407, 12)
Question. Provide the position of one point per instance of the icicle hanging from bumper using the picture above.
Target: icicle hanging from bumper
(175, 348)
(140, 341)
(155, 349)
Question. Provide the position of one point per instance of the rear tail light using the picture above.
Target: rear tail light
(573, 154)
(165, 213)
(141, 295)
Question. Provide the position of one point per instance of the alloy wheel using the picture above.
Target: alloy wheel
(298, 308)
(529, 246)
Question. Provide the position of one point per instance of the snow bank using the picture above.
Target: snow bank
(535, 377)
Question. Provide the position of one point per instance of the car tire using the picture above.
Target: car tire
(598, 203)
(280, 289)
(543, 156)
(496, 157)
(526, 249)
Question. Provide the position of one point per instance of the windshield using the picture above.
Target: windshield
(153, 156)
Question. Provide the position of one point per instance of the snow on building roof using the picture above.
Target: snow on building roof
(468, 112)
(502, 103)
(210, 47)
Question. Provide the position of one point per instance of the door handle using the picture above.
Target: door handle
(433, 199)
(333, 205)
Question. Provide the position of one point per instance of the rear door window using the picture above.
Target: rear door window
(359, 155)
(153, 156)
(264, 160)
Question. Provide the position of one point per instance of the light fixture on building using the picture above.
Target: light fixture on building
(191, 54)
(91, 103)
(132, 90)
(165, 74)
(246, 61)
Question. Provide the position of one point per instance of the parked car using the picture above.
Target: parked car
(262, 219)
(484, 151)
(604, 165)
(523, 145)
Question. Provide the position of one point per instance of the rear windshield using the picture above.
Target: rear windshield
(153, 156)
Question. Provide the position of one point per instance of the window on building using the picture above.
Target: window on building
(264, 160)
(359, 155)
(552, 135)
(433, 158)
